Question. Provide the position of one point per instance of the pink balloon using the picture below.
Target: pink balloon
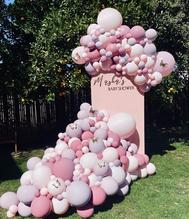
(106, 65)
(85, 40)
(98, 195)
(94, 55)
(63, 168)
(165, 63)
(41, 206)
(124, 30)
(86, 211)
(137, 32)
(115, 137)
(112, 47)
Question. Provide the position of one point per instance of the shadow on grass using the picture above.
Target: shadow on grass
(158, 141)
(8, 167)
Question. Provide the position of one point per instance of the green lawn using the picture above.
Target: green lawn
(165, 195)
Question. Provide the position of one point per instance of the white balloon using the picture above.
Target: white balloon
(41, 176)
(109, 18)
(158, 77)
(77, 55)
(26, 178)
(136, 50)
(128, 178)
(149, 63)
(143, 173)
(118, 174)
(109, 185)
(56, 186)
(133, 164)
(123, 124)
(150, 49)
(134, 175)
(110, 154)
(151, 169)
(60, 206)
(140, 79)
(131, 68)
(89, 160)
(92, 27)
(60, 147)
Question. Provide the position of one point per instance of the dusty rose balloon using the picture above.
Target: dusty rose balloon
(109, 185)
(106, 65)
(26, 193)
(165, 63)
(41, 176)
(124, 30)
(77, 55)
(63, 168)
(86, 211)
(60, 206)
(107, 15)
(123, 124)
(8, 199)
(24, 210)
(94, 55)
(32, 162)
(74, 191)
(137, 32)
(112, 47)
(41, 206)
(98, 195)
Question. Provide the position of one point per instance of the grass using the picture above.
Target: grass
(165, 195)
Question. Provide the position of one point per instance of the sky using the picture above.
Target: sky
(9, 1)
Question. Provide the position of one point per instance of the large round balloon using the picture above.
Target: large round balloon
(41, 206)
(32, 162)
(123, 124)
(110, 185)
(89, 160)
(165, 63)
(41, 176)
(98, 195)
(109, 18)
(78, 193)
(8, 199)
(26, 193)
(63, 168)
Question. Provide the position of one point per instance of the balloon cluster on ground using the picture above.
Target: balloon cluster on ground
(92, 159)
(110, 46)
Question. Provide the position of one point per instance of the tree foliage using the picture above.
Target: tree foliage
(46, 31)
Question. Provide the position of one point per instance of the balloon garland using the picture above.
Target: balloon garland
(110, 46)
(92, 159)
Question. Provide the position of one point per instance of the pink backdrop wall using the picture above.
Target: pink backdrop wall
(118, 94)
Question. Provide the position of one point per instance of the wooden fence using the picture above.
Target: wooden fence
(38, 121)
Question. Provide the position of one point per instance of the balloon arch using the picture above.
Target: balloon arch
(93, 158)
